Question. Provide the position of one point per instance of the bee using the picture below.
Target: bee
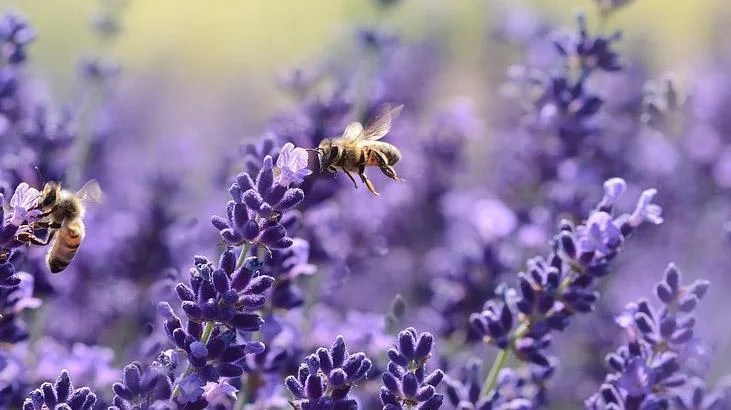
(358, 148)
(62, 213)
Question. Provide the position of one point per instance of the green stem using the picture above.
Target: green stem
(491, 380)
(241, 397)
(242, 255)
(209, 325)
(204, 338)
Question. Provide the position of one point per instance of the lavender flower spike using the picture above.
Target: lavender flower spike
(292, 163)
(60, 395)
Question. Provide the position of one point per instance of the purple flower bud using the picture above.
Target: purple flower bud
(291, 199)
(253, 200)
(294, 386)
(219, 223)
(272, 234)
(410, 385)
(406, 344)
(192, 310)
(338, 351)
(240, 215)
(688, 303)
(241, 277)
(236, 192)
(259, 285)
(391, 383)
(338, 377)
(313, 387)
(231, 236)
(672, 278)
(434, 378)
(664, 293)
(247, 322)
(424, 393)
(244, 181)
(323, 356)
(396, 357)
(220, 280)
(352, 363)
(424, 346)
(63, 386)
(250, 230)
(699, 288)
(131, 377)
(184, 292)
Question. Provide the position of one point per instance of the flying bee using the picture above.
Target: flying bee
(62, 213)
(358, 148)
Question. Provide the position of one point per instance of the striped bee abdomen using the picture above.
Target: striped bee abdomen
(65, 245)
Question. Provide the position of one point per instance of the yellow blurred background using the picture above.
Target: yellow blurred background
(200, 49)
(214, 40)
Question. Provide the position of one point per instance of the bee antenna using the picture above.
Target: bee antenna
(40, 175)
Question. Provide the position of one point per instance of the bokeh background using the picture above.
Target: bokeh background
(200, 78)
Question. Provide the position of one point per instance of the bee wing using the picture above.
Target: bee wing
(380, 126)
(353, 131)
(90, 193)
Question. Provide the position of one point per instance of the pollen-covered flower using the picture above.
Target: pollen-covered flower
(292, 164)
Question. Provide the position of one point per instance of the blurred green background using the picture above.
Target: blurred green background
(195, 52)
(213, 41)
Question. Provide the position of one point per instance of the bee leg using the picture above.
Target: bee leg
(367, 181)
(31, 239)
(45, 225)
(385, 168)
(351, 178)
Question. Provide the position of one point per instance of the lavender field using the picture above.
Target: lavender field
(498, 207)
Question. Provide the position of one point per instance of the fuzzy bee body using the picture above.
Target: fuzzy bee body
(359, 148)
(63, 216)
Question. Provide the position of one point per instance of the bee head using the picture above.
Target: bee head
(49, 196)
(327, 154)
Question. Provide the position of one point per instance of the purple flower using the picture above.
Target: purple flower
(60, 395)
(191, 388)
(326, 377)
(218, 391)
(645, 210)
(22, 202)
(292, 164)
(600, 234)
(613, 189)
